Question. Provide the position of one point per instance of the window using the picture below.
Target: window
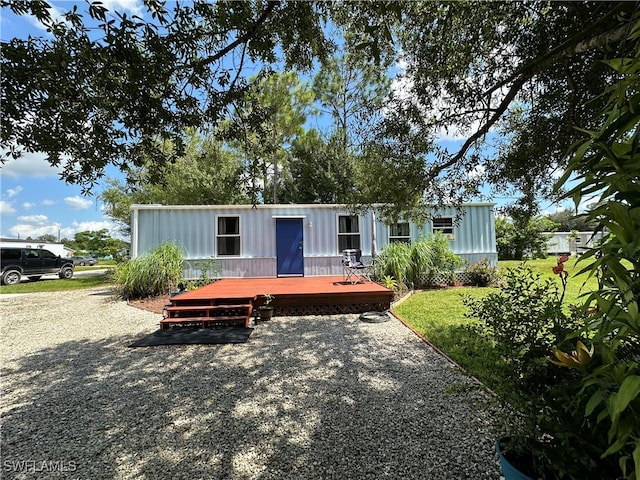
(228, 238)
(47, 254)
(399, 233)
(443, 225)
(10, 253)
(348, 232)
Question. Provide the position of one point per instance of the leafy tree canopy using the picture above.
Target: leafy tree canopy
(516, 239)
(531, 72)
(207, 174)
(116, 92)
(567, 221)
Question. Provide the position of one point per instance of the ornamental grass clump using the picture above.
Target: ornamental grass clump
(150, 275)
(418, 264)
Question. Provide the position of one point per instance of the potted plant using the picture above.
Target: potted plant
(265, 310)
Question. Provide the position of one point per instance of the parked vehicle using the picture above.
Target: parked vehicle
(32, 263)
(82, 261)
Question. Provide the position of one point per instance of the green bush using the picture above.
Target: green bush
(607, 164)
(525, 321)
(394, 261)
(443, 262)
(157, 273)
(481, 274)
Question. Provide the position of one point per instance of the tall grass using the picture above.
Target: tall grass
(418, 264)
(156, 273)
(394, 261)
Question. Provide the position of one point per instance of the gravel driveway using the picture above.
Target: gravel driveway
(306, 398)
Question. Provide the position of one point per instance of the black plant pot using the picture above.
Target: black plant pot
(265, 313)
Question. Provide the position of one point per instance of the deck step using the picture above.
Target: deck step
(204, 321)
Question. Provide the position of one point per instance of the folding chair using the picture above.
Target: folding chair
(354, 270)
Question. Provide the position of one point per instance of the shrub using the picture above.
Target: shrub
(481, 274)
(443, 262)
(156, 273)
(525, 321)
(607, 163)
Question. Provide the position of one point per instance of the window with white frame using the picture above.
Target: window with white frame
(399, 233)
(228, 236)
(348, 232)
(443, 225)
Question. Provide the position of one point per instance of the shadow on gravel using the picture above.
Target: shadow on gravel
(295, 402)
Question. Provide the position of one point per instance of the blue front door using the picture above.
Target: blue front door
(289, 246)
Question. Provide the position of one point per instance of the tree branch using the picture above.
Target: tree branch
(242, 38)
(576, 45)
(504, 104)
(527, 72)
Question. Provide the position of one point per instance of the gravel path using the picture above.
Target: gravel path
(306, 398)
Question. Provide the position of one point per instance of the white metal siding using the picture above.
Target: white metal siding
(194, 228)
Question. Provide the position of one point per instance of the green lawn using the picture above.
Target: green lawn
(55, 284)
(440, 316)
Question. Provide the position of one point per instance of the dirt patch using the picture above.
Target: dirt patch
(152, 304)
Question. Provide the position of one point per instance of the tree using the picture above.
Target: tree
(270, 118)
(321, 172)
(568, 221)
(522, 237)
(106, 88)
(532, 72)
(48, 237)
(93, 241)
(207, 174)
(352, 90)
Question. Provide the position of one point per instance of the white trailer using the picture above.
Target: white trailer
(55, 248)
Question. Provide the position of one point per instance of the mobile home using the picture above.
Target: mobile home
(571, 243)
(297, 240)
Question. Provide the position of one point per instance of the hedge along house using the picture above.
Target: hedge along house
(296, 240)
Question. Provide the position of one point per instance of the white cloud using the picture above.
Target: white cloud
(32, 165)
(6, 208)
(48, 203)
(37, 220)
(34, 226)
(476, 172)
(37, 224)
(12, 192)
(78, 203)
(28, 205)
(91, 226)
(133, 6)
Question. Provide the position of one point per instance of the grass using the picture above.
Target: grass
(55, 285)
(440, 316)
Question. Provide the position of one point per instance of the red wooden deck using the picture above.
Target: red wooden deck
(293, 296)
